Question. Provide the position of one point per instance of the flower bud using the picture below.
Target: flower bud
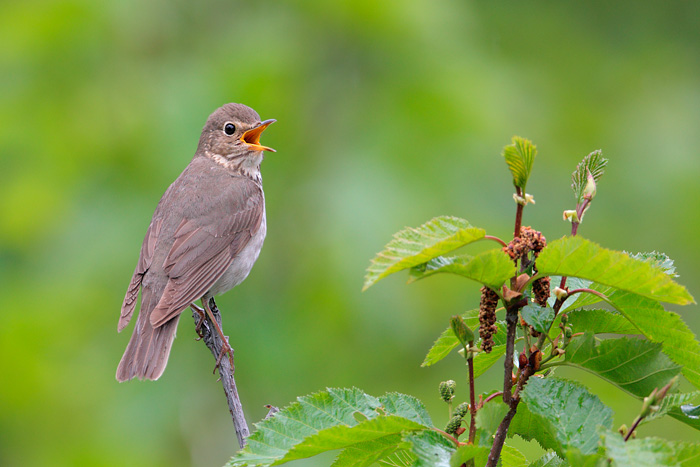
(461, 330)
(571, 216)
(560, 293)
(461, 410)
(453, 425)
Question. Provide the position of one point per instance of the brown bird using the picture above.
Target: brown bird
(203, 240)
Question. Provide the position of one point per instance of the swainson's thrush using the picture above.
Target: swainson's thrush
(203, 240)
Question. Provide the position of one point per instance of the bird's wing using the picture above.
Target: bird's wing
(205, 244)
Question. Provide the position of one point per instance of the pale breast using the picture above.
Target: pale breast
(242, 263)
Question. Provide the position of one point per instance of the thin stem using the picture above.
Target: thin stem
(511, 321)
(634, 427)
(518, 213)
(492, 396)
(495, 239)
(448, 436)
(472, 402)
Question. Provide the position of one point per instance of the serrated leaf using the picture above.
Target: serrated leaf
(599, 321)
(520, 155)
(691, 411)
(490, 415)
(561, 415)
(658, 260)
(400, 458)
(448, 341)
(549, 460)
(367, 453)
(492, 268)
(649, 452)
(670, 402)
(483, 361)
(595, 164)
(326, 421)
(407, 407)
(470, 451)
(538, 317)
(413, 246)
(511, 457)
(636, 366)
(666, 327)
(578, 257)
(430, 448)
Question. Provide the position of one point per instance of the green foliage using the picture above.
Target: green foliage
(490, 415)
(520, 155)
(578, 257)
(594, 163)
(599, 321)
(538, 317)
(634, 365)
(327, 421)
(413, 246)
(561, 415)
(651, 452)
(492, 268)
(549, 460)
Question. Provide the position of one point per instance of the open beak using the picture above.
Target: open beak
(252, 137)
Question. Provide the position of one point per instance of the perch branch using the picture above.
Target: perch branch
(214, 342)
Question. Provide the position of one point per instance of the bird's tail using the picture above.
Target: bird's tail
(147, 353)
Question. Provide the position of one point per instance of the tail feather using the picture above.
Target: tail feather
(147, 353)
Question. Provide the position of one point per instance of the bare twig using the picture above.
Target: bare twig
(215, 344)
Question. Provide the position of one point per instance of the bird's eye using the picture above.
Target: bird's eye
(229, 129)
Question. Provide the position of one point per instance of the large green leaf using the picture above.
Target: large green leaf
(470, 451)
(649, 452)
(520, 156)
(490, 416)
(511, 457)
(578, 257)
(560, 415)
(413, 246)
(599, 321)
(483, 361)
(492, 268)
(430, 448)
(671, 405)
(448, 341)
(538, 317)
(333, 419)
(634, 365)
(367, 453)
(549, 460)
(665, 327)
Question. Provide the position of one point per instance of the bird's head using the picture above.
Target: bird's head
(231, 137)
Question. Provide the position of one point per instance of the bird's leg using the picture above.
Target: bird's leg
(225, 346)
(202, 317)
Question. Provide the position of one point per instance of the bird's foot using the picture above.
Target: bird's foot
(225, 349)
(202, 317)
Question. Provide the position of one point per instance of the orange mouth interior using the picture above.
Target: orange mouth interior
(252, 137)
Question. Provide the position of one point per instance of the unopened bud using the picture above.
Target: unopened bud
(564, 318)
(560, 293)
(522, 361)
(461, 330)
(453, 425)
(529, 198)
(589, 191)
(535, 360)
(447, 390)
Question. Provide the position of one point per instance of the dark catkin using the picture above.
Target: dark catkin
(534, 240)
(487, 318)
(540, 290)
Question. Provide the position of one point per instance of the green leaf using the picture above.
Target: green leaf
(578, 257)
(511, 457)
(657, 259)
(599, 321)
(538, 317)
(400, 458)
(595, 163)
(492, 268)
(549, 460)
(448, 341)
(480, 455)
(561, 415)
(636, 366)
(490, 415)
(651, 452)
(483, 361)
(690, 411)
(367, 453)
(430, 448)
(659, 325)
(413, 246)
(326, 421)
(520, 155)
(673, 402)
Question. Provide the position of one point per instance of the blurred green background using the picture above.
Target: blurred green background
(389, 113)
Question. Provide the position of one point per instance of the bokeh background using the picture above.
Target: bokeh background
(389, 113)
